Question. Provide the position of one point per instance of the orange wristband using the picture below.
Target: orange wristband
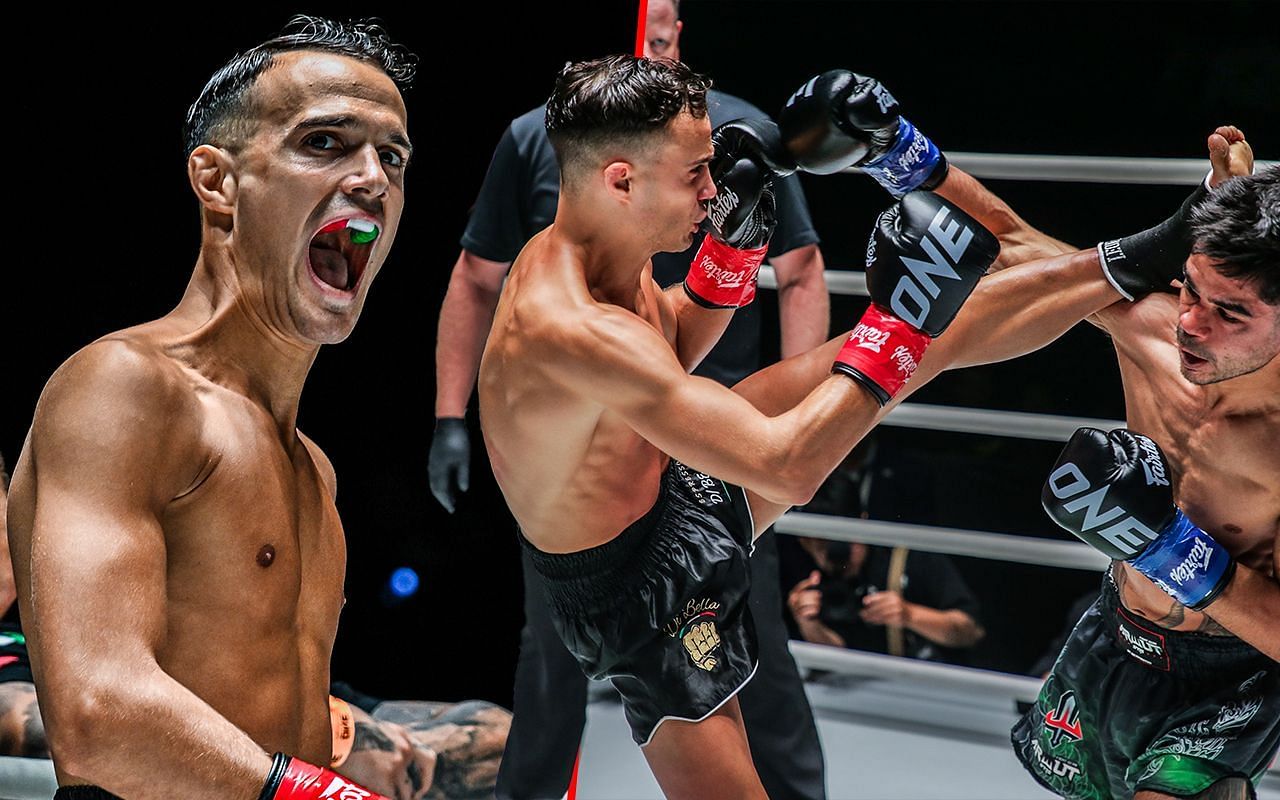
(344, 730)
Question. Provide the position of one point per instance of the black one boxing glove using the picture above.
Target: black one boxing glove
(1114, 491)
(923, 261)
(841, 119)
(741, 217)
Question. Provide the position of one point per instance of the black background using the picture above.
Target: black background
(105, 234)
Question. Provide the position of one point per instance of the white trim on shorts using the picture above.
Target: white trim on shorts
(730, 696)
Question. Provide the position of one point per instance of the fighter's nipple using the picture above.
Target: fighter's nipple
(266, 555)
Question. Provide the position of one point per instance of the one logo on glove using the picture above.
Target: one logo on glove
(722, 205)
(869, 337)
(1064, 720)
(917, 285)
(1128, 535)
(695, 627)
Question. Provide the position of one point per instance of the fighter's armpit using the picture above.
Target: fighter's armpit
(1141, 331)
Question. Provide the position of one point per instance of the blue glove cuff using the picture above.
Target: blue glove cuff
(1186, 563)
(908, 164)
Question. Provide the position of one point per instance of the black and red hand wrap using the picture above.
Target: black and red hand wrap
(292, 779)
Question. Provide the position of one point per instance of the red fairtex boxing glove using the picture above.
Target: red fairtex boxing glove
(291, 779)
(722, 276)
(923, 261)
(741, 217)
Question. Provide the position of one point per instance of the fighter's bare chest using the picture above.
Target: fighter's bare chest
(261, 524)
(1225, 472)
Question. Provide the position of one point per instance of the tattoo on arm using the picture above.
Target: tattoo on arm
(1177, 614)
(1211, 626)
(371, 737)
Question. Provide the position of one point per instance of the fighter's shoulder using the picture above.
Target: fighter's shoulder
(119, 389)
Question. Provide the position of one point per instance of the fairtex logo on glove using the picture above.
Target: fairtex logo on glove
(869, 338)
(724, 278)
(906, 361)
(1152, 463)
(722, 205)
(1196, 562)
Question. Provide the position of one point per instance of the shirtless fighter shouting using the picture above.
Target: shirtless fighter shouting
(605, 446)
(178, 554)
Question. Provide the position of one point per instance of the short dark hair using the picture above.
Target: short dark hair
(1239, 227)
(618, 98)
(223, 113)
(4, 473)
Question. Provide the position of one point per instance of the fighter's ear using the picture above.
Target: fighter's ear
(211, 171)
(618, 177)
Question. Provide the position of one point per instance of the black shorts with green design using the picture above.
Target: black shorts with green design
(15, 664)
(1131, 706)
(661, 609)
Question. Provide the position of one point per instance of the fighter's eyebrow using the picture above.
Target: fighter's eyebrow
(341, 121)
(1234, 306)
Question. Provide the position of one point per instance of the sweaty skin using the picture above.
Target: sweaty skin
(178, 553)
(584, 391)
(1220, 439)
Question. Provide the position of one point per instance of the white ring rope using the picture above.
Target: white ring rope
(952, 541)
(1017, 424)
(27, 778)
(874, 665)
(1083, 169)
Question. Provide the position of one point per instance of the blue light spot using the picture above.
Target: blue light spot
(404, 582)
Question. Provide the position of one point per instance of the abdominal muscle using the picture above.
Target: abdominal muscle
(572, 481)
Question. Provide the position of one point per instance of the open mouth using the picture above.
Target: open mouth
(339, 252)
(1191, 361)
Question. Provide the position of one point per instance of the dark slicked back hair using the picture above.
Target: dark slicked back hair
(1239, 227)
(617, 100)
(223, 114)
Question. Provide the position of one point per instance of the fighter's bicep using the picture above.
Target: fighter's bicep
(110, 446)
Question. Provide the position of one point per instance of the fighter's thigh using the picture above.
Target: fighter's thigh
(705, 760)
(21, 728)
(1234, 788)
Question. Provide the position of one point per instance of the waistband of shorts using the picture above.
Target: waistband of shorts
(83, 793)
(599, 577)
(1186, 654)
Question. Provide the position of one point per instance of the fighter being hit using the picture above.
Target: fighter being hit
(605, 446)
(178, 554)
